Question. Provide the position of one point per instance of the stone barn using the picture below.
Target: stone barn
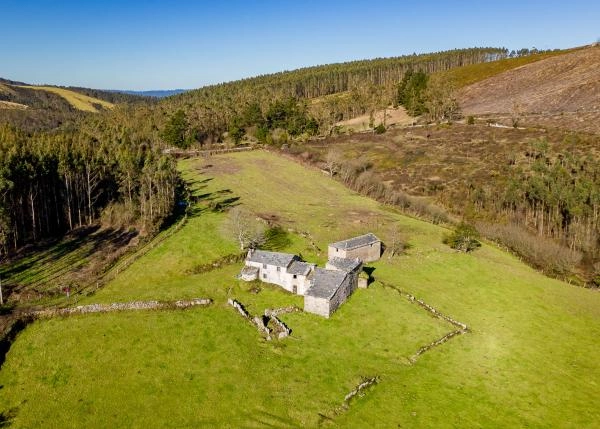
(329, 289)
(365, 247)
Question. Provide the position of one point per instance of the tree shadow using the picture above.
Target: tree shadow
(276, 238)
(38, 265)
(224, 205)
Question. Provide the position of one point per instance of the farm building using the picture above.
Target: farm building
(365, 247)
(324, 289)
(282, 269)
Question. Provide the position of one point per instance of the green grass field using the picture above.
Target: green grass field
(529, 360)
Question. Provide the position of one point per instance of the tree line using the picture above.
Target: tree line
(324, 95)
(51, 183)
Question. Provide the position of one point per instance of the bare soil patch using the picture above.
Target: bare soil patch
(397, 116)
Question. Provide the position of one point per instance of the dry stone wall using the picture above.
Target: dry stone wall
(462, 327)
(121, 306)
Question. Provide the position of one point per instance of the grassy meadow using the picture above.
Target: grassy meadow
(529, 360)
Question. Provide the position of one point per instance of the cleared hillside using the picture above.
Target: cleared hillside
(560, 85)
(470, 74)
(75, 99)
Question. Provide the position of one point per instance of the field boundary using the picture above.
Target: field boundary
(462, 327)
(368, 383)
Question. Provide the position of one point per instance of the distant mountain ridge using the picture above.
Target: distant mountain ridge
(158, 93)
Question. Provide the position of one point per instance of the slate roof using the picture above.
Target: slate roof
(271, 258)
(325, 283)
(345, 264)
(300, 268)
(353, 243)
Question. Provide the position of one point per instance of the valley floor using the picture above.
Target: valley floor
(529, 358)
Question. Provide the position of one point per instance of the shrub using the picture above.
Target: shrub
(379, 129)
(543, 253)
(464, 238)
(470, 120)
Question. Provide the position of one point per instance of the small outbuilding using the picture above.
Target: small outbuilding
(365, 247)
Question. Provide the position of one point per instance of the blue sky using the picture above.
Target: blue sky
(186, 44)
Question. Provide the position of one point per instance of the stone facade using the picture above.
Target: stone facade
(282, 269)
(329, 289)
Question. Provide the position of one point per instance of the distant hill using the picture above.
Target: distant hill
(44, 97)
(85, 99)
(43, 107)
(159, 93)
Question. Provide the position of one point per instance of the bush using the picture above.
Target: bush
(379, 129)
(464, 238)
(470, 120)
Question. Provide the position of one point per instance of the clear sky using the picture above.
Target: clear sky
(150, 44)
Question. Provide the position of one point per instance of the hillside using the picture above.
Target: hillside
(75, 99)
(543, 181)
(209, 367)
(470, 74)
(560, 91)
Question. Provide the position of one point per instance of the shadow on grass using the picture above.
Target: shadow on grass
(276, 238)
(36, 265)
(6, 417)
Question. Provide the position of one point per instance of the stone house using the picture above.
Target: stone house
(283, 269)
(365, 247)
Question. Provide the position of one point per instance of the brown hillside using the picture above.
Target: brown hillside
(557, 85)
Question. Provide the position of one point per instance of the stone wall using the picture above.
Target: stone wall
(346, 289)
(278, 328)
(274, 312)
(121, 306)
